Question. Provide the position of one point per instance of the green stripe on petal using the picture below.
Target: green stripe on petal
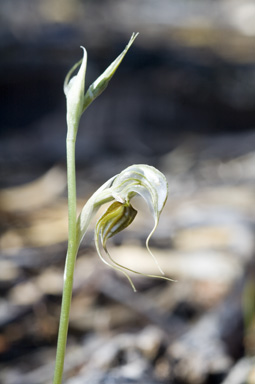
(117, 217)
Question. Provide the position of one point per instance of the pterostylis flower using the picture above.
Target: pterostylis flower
(143, 180)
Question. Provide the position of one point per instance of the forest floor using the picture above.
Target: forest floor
(197, 330)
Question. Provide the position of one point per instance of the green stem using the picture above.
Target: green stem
(70, 258)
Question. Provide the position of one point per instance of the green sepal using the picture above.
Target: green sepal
(101, 83)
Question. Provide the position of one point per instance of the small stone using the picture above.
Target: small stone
(149, 341)
(26, 293)
(8, 271)
(51, 281)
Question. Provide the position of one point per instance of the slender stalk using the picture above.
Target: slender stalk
(77, 102)
(70, 258)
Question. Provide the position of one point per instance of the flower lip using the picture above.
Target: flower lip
(117, 217)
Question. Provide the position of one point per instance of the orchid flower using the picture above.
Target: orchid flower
(143, 180)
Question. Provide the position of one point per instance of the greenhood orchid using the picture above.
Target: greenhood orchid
(143, 180)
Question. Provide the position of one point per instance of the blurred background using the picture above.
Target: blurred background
(182, 100)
